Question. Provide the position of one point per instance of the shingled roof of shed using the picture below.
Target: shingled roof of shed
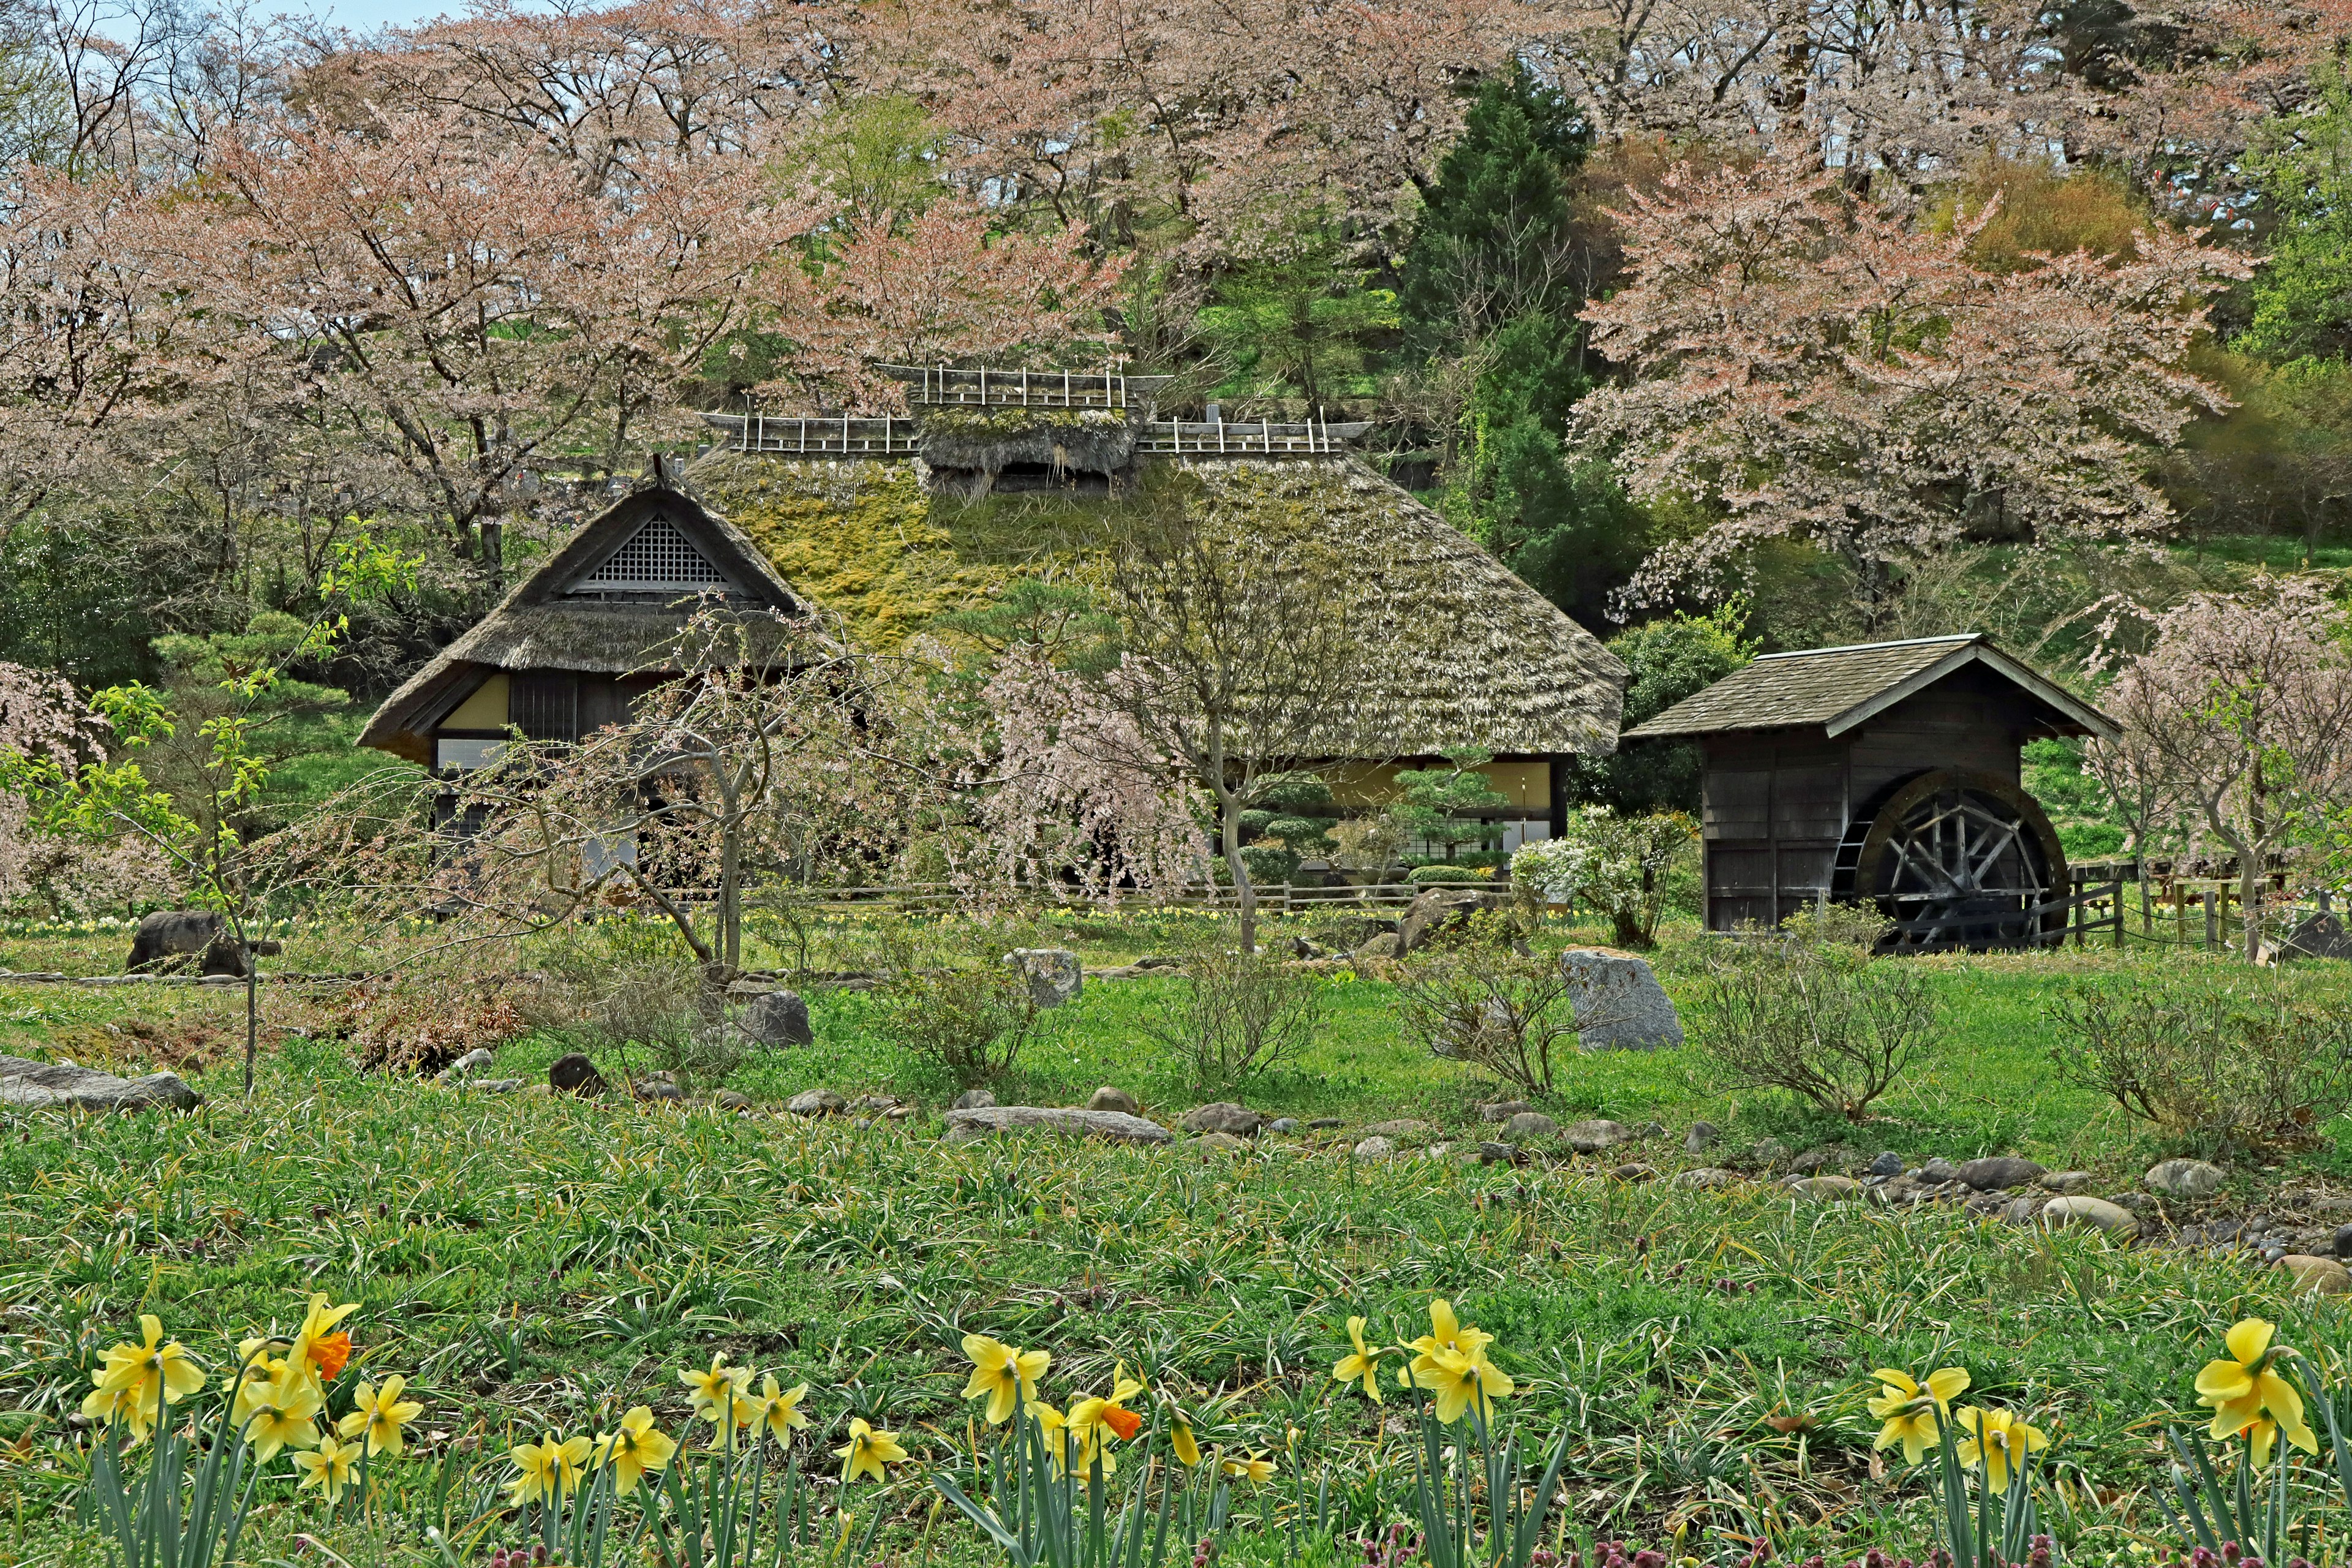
(1839, 687)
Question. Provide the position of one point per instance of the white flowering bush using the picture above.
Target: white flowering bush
(1611, 864)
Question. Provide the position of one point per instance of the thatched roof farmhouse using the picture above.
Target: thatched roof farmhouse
(886, 524)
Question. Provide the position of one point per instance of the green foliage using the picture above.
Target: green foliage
(1060, 618)
(1241, 1014)
(1438, 801)
(880, 153)
(2301, 296)
(1614, 863)
(1300, 323)
(1667, 660)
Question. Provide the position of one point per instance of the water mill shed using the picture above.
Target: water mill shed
(1889, 771)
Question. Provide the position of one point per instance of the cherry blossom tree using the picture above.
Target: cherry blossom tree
(1819, 369)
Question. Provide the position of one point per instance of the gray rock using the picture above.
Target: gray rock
(472, 1062)
(1377, 1147)
(1620, 1005)
(1826, 1189)
(574, 1074)
(1937, 1171)
(817, 1102)
(2021, 1210)
(986, 1121)
(1403, 1131)
(2112, 1218)
(1492, 1154)
(170, 941)
(1054, 974)
(653, 1090)
(1888, 1164)
(34, 1086)
(1705, 1177)
(1439, 913)
(1702, 1135)
(1283, 1124)
(1592, 1137)
(779, 1018)
(2191, 1181)
(1651, 1129)
(2319, 935)
(1529, 1124)
(1220, 1142)
(1325, 1123)
(1769, 1153)
(729, 1099)
(492, 1084)
(1813, 1162)
(1300, 947)
(1997, 1171)
(2341, 1243)
(1118, 1099)
(1377, 948)
(1502, 1110)
(1224, 1116)
(2063, 1181)
(1634, 1173)
(974, 1099)
(2316, 1276)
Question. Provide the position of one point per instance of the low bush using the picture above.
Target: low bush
(628, 987)
(1808, 1010)
(1240, 1012)
(1616, 866)
(1506, 1012)
(415, 1026)
(970, 1022)
(2245, 1063)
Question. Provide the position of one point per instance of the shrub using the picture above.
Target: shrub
(1240, 1012)
(1810, 1011)
(1367, 842)
(1503, 1011)
(1446, 871)
(622, 985)
(2245, 1064)
(415, 1026)
(973, 1021)
(1616, 865)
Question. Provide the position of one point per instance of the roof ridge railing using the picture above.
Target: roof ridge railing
(1216, 437)
(840, 435)
(946, 386)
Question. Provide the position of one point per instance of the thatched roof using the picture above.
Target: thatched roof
(562, 617)
(1839, 687)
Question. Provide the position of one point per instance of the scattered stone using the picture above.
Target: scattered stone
(2137, 1202)
(1325, 1123)
(655, 1088)
(1998, 1171)
(1156, 961)
(1888, 1164)
(2274, 1254)
(1438, 915)
(1220, 1142)
(1826, 1189)
(2341, 1243)
(1054, 974)
(492, 1085)
(1620, 1005)
(974, 1099)
(729, 1099)
(170, 942)
(2021, 1210)
(817, 1102)
(33, 1086)
(1502, 1110)
(1705, 1177)
(1118, 1099)
(1592, 1137)
(778, 1018)
(1283, 1124)
(2191, 1181)
(1769, 1153)
(1636, 1171)
(1380, 948)
(886, 1103)
(1651, 1129)
(1302, 948)
(1492, 1154)
(2320, 935)
(1224, 1116)
(2316, 1276)
(2063, 1181)
(1403, 1131)
(574, 1074)
(472, 1062)
(1702, 1135)
(1938, 1171)
(1529, 1124)
(1376, 1148)
(1812, 1162)
(2112, 1218)
(966, 1125)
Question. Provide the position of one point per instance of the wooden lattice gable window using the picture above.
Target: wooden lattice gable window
(660, 557)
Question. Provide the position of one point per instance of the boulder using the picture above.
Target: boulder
(817, 1102)
(1403, 1131)
(2316, 1275)
(1937, 1171)
(2021, 1210)
(1813, 1162)
(2318, 936)
(1592, 1137)
(1702, 1136)
(2341, 1242)
(657, 1089)
(729, 1099)
(1220, 1142)
(1995, 1171)
(2191, 1180)
(1377, 948)
(1053, 973)
(1492, 1153)
(1283, 1124)
(1888, 1163)
(1620, 1005)
(1376, 1148)
(2112, 1218)
(493, 1085)
(974, 1099)
(2063, 1181)
(1118, 1099)
(1634, 1173)
(171, 942)
(1502, 1110)
(779, 1018)
(574, 1074)
(1826, 1189)
(472, 1062)
(986, 1121)
(1438, 915)
(1224, 1116)
(1529, 1124)
(1705, 1178)
(36, 1086)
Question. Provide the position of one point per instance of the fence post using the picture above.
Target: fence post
(2146, 915)
(2119, 916)
(2212, 923)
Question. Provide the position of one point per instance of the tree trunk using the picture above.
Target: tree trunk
(1229, 826)
(252, 1005)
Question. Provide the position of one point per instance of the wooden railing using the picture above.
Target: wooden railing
(1217, 439)
(844, 436)
(938, 386)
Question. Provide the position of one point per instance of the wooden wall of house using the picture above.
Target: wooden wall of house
(1776, 803)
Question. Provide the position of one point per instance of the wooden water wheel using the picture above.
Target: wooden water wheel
(1958, 860)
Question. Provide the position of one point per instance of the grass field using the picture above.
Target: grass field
(533, 1262)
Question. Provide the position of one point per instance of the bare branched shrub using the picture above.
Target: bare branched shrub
(2246, 1064)
(973, 1021)
(1807, 1010)
(1487, 1002)
(1240, 1012)
(627, 985)
(420, 1028)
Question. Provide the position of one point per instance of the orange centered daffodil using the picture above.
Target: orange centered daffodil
(1910, 1411)
(1097, 1420)
(2245, 1392)
(866, 1452)
(634, 1448)
(1006, 1377)
(380, 1414)
(328, 1467)
(1364, 1366)
(1462, 1380)
(1998, 1440)
(316, 1342)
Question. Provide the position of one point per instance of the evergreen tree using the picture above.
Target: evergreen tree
(2303, 294)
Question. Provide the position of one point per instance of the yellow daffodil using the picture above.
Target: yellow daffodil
(713, 1390)
(1446, 1334)
(1364, 1366)
(634, 1448)
(1910, 1410)
(866, 1452)
(1098, 1421)
(549, 1471)
(778, 1411)
(1998, 1440)
(2244, 1389)
(137, 1380)
(328, 1467)
(278, 1414)
(1187, 1446)
(1462, 1380)
(1006, 1377)
(1256, 1467)
(380, 1414)
(1053, 1430)
(316, 1343)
